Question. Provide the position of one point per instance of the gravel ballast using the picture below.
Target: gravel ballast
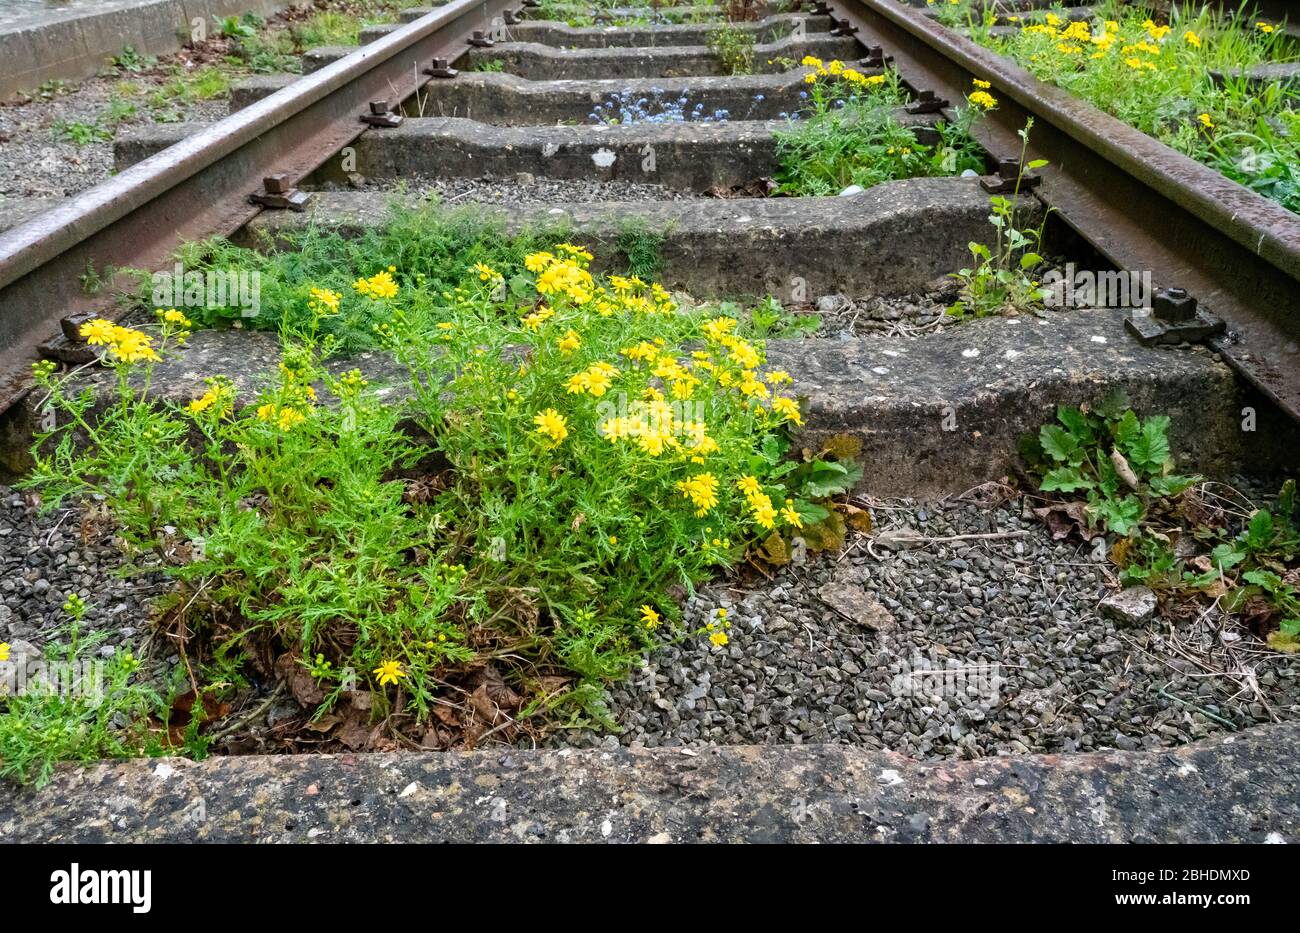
(526, 189)
(1013, 620)
(988, 645)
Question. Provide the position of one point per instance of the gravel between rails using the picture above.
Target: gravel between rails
(36, 163)
(796, 671)
(523, 190)
(44, 558)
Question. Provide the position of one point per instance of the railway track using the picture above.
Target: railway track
(483, 96)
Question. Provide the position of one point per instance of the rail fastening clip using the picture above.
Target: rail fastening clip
(1174, 318)
(278, 193)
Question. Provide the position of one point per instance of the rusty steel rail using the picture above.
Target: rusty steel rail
(200, 187)
(1142, 205)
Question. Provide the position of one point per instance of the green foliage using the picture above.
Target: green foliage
(81, 133)
(81, 708)
(770, 318)
(1185, 81)
(851, 136)
(1001, 280)
(1119, 462)
(132, 61)
(238, 27)
(555, 458)
(428, 246)
(734, 49)
(641, 245)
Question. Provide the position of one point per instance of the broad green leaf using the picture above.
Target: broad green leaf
(1058, 443)
(1065, 479)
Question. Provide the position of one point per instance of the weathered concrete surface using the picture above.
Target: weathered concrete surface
(509, 100)
(78, 43)
(684, 156)
(942, 413)
(689, 156)
(895, 238)
(1242, 789)
(540, 62)
(937, 414)
(548, 32)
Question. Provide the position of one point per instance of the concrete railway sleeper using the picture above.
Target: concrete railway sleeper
(820, 420)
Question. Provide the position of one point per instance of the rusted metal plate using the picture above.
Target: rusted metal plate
(200, 188)
(1142, 205)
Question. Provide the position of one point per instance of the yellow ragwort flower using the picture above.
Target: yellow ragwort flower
(389, 672)
(550, 423)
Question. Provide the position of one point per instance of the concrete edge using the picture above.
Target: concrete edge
(1237, 789)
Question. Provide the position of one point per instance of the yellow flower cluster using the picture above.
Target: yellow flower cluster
(837, 69)
(552, 425)
(595, 380)
(217, 399)
(380, 285)
(123, 343)
(324, 301)
(702, 490)
(760, 503)
(567, 277)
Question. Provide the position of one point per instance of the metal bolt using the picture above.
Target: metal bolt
(1009, 177)
(480, 40)
(381, 116)
(279, 193)
(71, 325)
(1173, 305)
(510, 18)
(843, 28)
(927, 102)
(440, 68)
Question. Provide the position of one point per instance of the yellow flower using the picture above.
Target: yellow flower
(982, 85)
(650, 617)
(172, 316)
(98, 331)
(810, 78)
(787, 408)
(535, 319)
(265, 412)
(289, 417)
(203, 403)
(982, 99)
(389, 672)
(811, 62)
(719, 638)
(569, 342)
(1265, 27)
(791, 517)
(749, 485)
(324, 300)
(595, 380)
(536, 262)
(552, 424)
(1206, 121)
(485, 272)
(1192, 39)
(4, 651)
(701, 490)
(764, 513)
(379, 285)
